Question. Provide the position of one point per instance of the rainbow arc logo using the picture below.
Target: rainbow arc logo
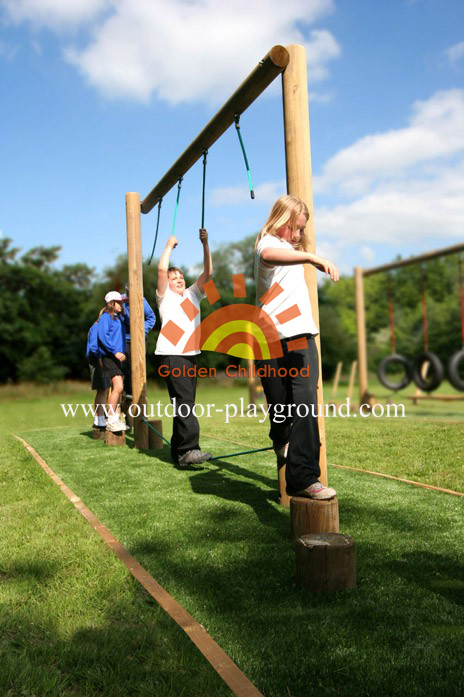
(240, 330)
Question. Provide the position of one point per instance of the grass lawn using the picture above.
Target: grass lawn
(217, 540)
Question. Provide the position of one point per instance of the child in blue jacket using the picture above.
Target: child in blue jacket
(112, 343)
(100, 383)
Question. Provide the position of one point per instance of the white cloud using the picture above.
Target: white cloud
(54, 14)
(180, 50)
(436, 130)
(455, 53)
(401, 189)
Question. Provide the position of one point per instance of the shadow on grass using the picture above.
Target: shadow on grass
(123, 655)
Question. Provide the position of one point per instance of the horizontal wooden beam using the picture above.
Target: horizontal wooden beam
(266, 71)
(415, 260)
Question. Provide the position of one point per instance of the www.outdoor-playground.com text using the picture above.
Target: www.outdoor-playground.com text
(251, 411)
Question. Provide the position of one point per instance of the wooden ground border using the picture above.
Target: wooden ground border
(219, 660)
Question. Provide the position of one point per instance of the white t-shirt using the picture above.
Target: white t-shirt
(295, 291)
(170, 310)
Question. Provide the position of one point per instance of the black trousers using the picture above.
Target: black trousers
(295, 422)
(185, 426)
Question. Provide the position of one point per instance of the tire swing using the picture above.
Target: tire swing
(457, 359)
(394, 359)
(427, 378)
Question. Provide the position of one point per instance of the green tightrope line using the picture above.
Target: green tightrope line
(218, 457)
(237, 128)
(244, 452)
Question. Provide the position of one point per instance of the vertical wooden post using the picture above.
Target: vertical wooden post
(137, 318)
(351, 382)
(338, 371)
(299, 183)
(361, 328)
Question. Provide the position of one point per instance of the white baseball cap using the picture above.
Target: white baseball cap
(113, 295)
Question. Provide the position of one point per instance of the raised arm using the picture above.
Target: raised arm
(288, 257)
(207, 261)
(163, 265)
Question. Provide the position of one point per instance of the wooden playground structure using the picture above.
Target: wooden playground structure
(290, 63)
(365, 397)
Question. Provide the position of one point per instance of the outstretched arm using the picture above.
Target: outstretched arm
(288, 257)
(163, 265)
(207, 261)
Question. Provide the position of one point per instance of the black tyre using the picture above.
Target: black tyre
(454, 375)
(386, 380)
(434, 375)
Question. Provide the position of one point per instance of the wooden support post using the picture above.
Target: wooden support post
(115, 438)
(155, 441)
(309, 515)
(338, 371)
(251, 384)
(284, 498)
(299, 183)
(325, 562)
(364, 397)
(137, 323)
(352, 379)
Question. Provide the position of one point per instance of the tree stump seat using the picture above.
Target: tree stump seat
(115, 437)
(98, 432)
(312, 515)
(325, 562)
(155, 441)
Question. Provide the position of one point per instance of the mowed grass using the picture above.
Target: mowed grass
(217, 539)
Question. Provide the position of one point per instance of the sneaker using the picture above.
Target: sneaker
(193, 457)
(116, 426)
(317, 491)
(101, 422)
(281, 454)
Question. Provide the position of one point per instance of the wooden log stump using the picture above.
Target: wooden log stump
(313, 516)
(155, 441)
(325, 562)
(115, 437)
(98, 433)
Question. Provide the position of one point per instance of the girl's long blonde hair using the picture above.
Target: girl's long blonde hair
(285, 211)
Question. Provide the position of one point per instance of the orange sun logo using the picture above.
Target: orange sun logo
(241, 330)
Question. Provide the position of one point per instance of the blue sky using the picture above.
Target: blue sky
(100, 97)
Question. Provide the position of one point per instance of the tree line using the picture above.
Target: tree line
(46, 310)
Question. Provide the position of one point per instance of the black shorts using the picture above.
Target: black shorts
(112, 367)
(99, 381)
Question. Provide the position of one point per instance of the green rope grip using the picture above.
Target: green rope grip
(179, 184)
(205, 155)
(156, 233)
(237, 128)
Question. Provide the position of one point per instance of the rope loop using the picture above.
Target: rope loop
(237, 128)
(156, 233)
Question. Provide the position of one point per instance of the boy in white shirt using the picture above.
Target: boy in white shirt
(179, 309)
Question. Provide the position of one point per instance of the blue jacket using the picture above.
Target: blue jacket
(150, 318)
(111, 334)
(93, 348)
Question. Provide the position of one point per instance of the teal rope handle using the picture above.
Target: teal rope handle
(237, 128)
(205, 155)
(179, 184)
(157, 228)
